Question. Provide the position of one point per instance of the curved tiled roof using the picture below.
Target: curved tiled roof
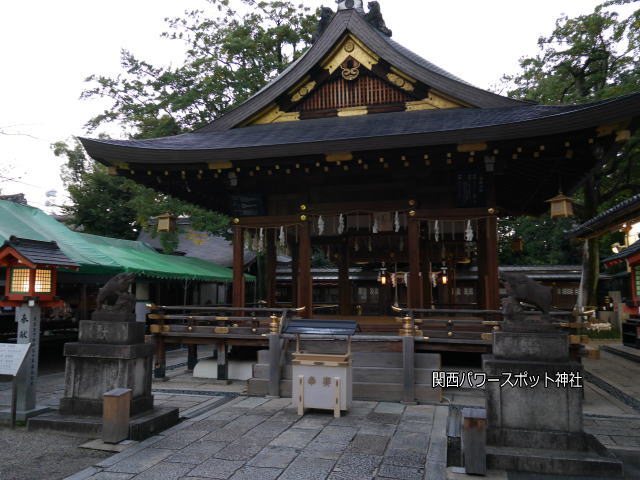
(349, 21)
(366, 132)
(617, 213)
(624, 254)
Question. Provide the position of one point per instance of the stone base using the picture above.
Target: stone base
(534, 423)
(550, 347)
(540, 408)
(106, 316)
(23, 415)
(93, 369)
(593, 460)
(141, 426)
(110, 332)
(88, 406)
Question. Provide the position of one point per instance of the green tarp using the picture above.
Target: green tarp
(104, 255)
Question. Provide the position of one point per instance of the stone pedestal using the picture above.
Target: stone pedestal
(534, 409)
(110, 354)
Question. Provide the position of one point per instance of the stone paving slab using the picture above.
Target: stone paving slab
(295, 437)
(274, 457)
(308, 468)
(265, 439)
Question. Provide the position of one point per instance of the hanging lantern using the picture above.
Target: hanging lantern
(382, 275)
(517, 244)
(561, 205)
(166, 223)
(31, 271)
(443, 275)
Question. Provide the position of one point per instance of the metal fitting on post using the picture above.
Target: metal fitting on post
(274, 326)
(407, 329)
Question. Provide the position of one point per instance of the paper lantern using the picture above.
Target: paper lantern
(561, 206)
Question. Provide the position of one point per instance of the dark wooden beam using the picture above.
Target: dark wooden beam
(414, 291)
(305, 288)
(344, 285)
(271, 267)
(266, 222)
(238, 267)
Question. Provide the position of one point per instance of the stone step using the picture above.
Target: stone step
(141, 426)
(554, 462)
(263, 356)
(360, 374)
(423, 376)
(385, 392)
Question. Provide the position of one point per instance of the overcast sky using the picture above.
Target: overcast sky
(49, 47)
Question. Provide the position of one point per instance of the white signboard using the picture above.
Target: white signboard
(11, 357)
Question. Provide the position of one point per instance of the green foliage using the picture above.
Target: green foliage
(229, 56)
(586, 58)
(603, 334)
(544, 239)
(112, 206)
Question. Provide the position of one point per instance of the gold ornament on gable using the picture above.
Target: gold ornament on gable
(350, 69)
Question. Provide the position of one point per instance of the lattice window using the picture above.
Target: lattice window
(43, 281)
(366, 90)
(19, 280)
(567, 291)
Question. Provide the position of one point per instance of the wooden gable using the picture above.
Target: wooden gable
(352, 80)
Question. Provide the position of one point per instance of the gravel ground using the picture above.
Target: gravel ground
(37, 455)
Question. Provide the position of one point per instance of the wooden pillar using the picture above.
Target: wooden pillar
(238, 267)
(344, 285)
(192, 356)
(294, 276)
(305, 287)
(159, 369)
(408, 371)
(488, 282)
(272, 260)
(223, 365)
(414, 291)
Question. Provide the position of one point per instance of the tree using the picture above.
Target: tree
(229, 56)
(113, 206)
(587, 58)
(543, 239)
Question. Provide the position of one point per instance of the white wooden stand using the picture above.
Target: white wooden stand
(322, 380)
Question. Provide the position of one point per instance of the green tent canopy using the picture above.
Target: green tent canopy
(104, 255)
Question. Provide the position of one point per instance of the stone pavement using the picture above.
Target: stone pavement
(258, 438)
(261, 438)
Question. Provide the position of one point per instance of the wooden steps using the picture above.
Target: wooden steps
(376, 376)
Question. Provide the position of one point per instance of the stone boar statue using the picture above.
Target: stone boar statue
(115, 296)
(521, 288)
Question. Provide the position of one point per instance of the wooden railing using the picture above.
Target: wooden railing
(462, 324)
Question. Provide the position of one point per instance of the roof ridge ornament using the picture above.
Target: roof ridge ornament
(373, 16)
(348, 4)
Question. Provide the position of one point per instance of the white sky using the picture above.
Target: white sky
(48, 48)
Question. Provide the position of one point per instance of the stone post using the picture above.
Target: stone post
(28, 320)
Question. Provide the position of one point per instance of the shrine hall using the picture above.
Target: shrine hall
(380, 159)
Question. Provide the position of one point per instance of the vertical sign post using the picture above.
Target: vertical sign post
(28, 320)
